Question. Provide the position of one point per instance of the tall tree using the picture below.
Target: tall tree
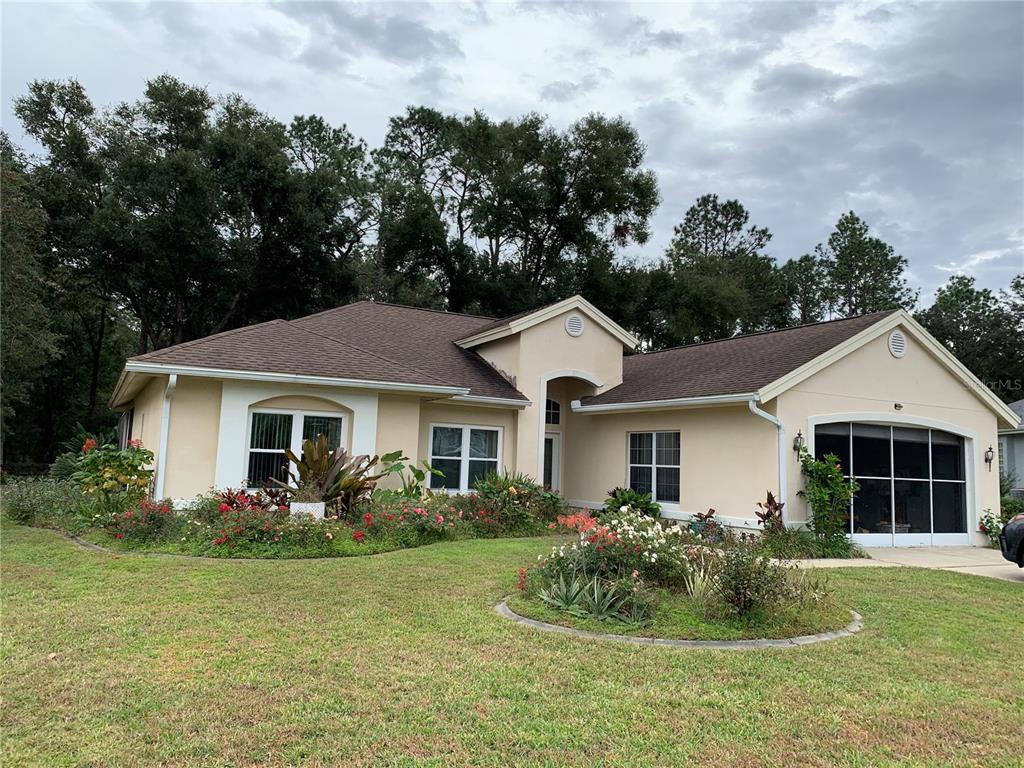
(864, 273)
(805, 282)
(984, 331)
(716, 279)
(27, 340)
(496, 213)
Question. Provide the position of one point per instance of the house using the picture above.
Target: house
(558, 393)
(1011, 450)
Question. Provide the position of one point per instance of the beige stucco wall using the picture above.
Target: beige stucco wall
(727, 457)
(398, 429)
(192, 437)
(542, 351)
(146, 419)
(871, 381)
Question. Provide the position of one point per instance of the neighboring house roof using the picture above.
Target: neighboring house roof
(1018, 408)
(362, 342)
(507, 326)
(733, 366)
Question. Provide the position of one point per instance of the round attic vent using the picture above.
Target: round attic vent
(897, 344)
(574, 325)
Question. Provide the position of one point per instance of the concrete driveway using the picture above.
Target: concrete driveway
(980, 561)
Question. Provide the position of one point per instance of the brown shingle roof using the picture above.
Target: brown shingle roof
(423, 338)
(366, 341)
(730, 366)
(280, 346)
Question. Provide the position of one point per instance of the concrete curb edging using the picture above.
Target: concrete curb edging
(722, 645)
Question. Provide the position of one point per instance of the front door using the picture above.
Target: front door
(553, 461)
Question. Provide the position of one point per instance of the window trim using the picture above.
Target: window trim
(295, 443)
(654, 466)
(464, 455)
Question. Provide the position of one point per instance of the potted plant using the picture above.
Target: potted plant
(322, 476)
(316, 471)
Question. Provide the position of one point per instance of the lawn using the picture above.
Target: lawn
(399, 659)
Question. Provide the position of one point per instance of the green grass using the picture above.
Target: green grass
(675, 617)
(399, 659)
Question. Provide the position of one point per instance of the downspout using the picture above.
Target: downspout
(165, 423)
(780, 427)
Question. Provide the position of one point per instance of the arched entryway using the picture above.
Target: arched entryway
(559, 389)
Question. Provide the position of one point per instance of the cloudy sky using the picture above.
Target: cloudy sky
(910, 114)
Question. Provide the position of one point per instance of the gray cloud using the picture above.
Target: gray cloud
(792, 85)
(909, 114)
(567, 90)
(339, 31)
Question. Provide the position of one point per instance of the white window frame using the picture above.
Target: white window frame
(655, 465)
(548, 410)
(295, 445)
(464, 455)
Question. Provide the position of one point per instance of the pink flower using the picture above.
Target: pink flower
(440, 519)
(136, 443)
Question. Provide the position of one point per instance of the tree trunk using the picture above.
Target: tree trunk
(97, 354)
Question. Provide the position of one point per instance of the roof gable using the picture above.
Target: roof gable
(517, 323)
(739, 366)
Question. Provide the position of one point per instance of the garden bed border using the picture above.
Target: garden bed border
(850, 629)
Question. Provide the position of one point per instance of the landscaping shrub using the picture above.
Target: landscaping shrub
(611, 568)
(1010, 507)
(828, 495)
(522, 503)
(45, 503)
(790, 544)
(147, 521)
(618, 498)
(114, 478)
(749, 581)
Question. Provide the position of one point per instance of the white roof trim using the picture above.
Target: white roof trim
(495, 402)
(679, 402)
(290, 378)
(900, 317)
(546, 313)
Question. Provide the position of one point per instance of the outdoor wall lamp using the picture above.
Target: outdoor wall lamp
(799, 442)
(989, 455)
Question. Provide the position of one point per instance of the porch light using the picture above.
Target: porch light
(989, 455)
(799, 442)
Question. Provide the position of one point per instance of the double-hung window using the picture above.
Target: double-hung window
(654, 465)
(552, 412)
(272, 432)
(463, 454)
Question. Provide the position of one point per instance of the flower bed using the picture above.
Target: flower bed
(629, 574)
(238, 523)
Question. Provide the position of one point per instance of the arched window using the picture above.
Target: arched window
(553, 412)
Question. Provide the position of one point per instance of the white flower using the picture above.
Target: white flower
(623, 509)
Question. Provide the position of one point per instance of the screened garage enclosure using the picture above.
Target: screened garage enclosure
(913, 483)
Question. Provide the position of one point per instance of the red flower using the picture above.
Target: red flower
(358, 535)
(88, 445)
(521, 583)
(389, 516)
(118, 535)
(368, 519)
(224, 506)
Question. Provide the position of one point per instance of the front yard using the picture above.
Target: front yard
(399, 659)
